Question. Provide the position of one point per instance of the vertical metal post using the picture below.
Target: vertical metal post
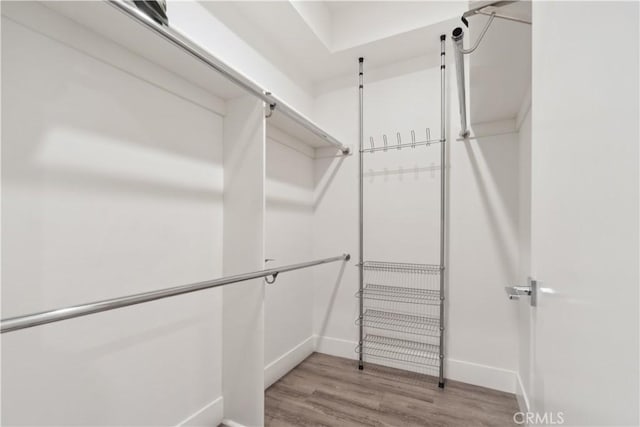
(361, 197)
(443, 159)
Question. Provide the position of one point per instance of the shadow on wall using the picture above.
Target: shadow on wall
(92, 109)
(136, 338)
(79, 132)
(288, 204)
(401, 172)
(289, 178)
(486, 161)
(326, 170)
(332, 299)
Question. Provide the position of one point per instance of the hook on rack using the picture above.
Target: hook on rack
(399, 145)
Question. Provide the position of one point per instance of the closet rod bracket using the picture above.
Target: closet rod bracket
(274, 276)
(489, 9)
(271, 107)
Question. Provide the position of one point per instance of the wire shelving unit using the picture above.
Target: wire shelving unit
(401, 305)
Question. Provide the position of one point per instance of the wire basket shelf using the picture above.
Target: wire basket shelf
(410, 352)
(401, 267)
(400, 294)
(401, 322)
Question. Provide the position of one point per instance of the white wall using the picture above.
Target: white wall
(526, 313)
(483, 258)
(243, 308)
(585, 181)
(288, 239)
(196, 21)
(111, 185)
(483, 214)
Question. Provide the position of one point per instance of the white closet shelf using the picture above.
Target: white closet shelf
(169, 48)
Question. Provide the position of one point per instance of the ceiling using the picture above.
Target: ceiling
(318, 42)
(315, 41)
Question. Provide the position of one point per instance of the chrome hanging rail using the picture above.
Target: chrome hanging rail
(185, 43)
(481, 10)
(44, 317)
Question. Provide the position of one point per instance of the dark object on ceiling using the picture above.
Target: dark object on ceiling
(154, 9)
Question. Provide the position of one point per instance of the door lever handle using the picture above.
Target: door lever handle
(515, 292)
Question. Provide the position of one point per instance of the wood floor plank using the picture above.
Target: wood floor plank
(371, 381)
(330, 391)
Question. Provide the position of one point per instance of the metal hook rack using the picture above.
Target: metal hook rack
(399, 144)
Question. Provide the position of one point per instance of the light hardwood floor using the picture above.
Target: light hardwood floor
(330, 391)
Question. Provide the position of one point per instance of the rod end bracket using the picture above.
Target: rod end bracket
(272, 107)
(457, 34)
(273, 279)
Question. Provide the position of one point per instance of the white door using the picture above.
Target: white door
(584, 219)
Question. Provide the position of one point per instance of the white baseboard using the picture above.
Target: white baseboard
(335, 346)
(458, 370)
(521, 395)
(230, 423)
(481, 375)
(210, 415)
(283, 364)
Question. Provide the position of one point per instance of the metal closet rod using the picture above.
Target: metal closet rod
(479, 10)
(36, 319)
(185, 43)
